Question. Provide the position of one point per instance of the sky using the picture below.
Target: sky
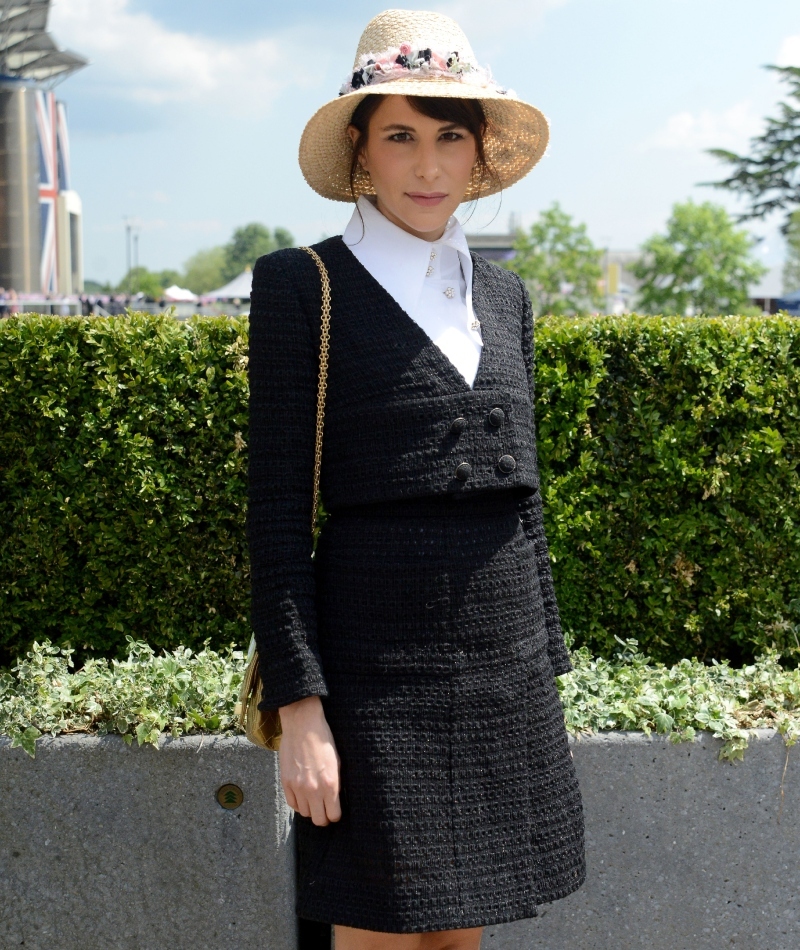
(188, 117)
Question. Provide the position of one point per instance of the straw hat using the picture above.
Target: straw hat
(416, 53)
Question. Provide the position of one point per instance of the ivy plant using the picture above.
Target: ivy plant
(147, 696)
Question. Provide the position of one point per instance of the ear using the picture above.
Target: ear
(355, 135)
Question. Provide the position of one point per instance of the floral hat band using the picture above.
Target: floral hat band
(420, 53)
(410, 60)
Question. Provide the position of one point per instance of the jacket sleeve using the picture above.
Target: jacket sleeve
(531, 513)
(283, 372)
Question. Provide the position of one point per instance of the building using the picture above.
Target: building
(619, 283)
(40, 215)
(768, 292)
(494, 247)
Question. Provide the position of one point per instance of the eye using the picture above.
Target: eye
(400, 137)
(452, 136)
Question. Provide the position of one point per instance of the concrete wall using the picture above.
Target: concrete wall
(107, 846)
(684, 852)
(102, 845)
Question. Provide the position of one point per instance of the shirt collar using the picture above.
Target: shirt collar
(399, 260)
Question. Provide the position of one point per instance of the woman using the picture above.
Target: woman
(413, 659)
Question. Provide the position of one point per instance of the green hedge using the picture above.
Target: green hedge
(669, 451)
(123, 482)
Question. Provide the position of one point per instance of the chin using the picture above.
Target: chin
(427, 220)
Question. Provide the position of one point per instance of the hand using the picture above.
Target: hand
(309, 762)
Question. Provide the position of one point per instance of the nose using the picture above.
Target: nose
(427, 161)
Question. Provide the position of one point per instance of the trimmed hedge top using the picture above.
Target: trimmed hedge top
(669, 452)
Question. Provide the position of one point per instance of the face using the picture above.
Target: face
(420, 167)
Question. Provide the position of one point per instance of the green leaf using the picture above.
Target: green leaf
(663, 722)
(26, 738)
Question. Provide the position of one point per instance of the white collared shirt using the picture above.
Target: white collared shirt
(431, 280)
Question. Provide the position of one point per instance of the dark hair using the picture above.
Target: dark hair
(464, 112)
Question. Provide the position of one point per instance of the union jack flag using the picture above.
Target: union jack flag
(62, 148)
(46, 124)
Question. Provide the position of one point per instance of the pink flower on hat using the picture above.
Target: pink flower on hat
(405, 48)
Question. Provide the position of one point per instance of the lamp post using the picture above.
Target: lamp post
(128, 231)
(606, 239)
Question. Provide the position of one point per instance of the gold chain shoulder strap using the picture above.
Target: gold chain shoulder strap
(263, 727)
(324, 346)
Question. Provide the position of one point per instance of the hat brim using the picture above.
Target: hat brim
(515, 139)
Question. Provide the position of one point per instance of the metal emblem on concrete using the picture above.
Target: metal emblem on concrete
(230, 796)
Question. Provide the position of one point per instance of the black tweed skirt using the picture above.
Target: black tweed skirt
(460, 802)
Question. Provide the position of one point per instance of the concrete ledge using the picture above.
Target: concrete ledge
(104, 845)
(108, 846)
(683, 852)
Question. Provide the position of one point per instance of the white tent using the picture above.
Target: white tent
(239, 288)
(176, 294)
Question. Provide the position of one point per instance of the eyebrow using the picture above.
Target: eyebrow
(398, 127)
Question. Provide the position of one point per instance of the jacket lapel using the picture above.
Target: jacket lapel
(399, 326)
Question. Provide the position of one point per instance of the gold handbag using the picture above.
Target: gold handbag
(263, 726)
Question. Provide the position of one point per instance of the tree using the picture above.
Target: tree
(770, 176)
(141, 280)
(791, 266)
(204, 270)
(559, 264)
(283, 238)
(169, 277)
(96, 287)
(249, 243)
(702, 264)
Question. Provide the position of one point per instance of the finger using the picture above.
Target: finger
(291, 800)
(318, 815)
(303, 806)
(333, 807)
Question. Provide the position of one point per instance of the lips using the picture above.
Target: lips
(427, 200)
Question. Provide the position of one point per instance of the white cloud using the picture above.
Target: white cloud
(490, 18)
(789, 53)
(488, 25)
(137, 58)
(732, 128)
(491, 25)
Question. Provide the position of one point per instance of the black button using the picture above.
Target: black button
(463, 471)
(507, 463)
(496, 416)
(458, 425)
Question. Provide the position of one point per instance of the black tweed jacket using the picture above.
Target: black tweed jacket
(400, 422)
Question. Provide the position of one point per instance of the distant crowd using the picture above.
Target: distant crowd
(9, 302)
(90, 304)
